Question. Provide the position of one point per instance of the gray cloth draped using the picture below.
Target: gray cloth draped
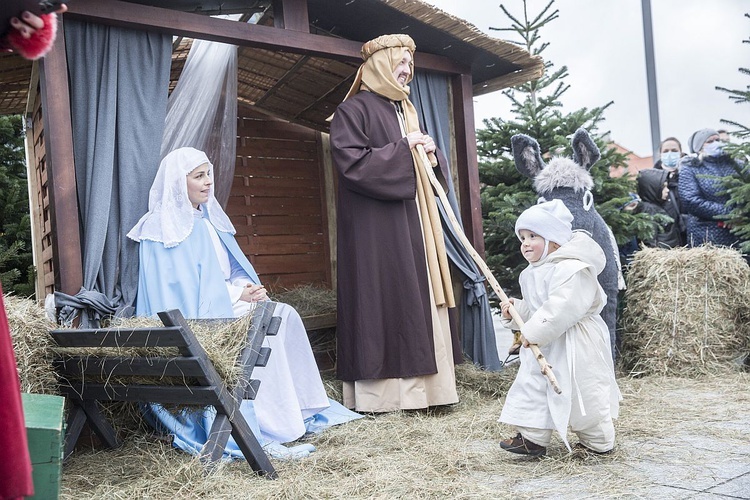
(119, 80)
(430, 95)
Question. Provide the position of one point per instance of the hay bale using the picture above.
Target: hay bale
(686, 311)
(32, 345)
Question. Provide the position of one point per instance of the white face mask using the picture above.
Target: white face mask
(715, 148)
(670, 159)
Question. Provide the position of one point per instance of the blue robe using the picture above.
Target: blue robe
(189, 277)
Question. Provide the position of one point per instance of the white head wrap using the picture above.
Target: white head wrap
(170, 215)
(551, 220)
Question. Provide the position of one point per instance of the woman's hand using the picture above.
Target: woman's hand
(29, 23)
(505, 309)
(254, 293)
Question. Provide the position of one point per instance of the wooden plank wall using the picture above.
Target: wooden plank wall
(276, 202)
(40, 200)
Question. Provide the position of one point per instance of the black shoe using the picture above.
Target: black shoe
(521, 446)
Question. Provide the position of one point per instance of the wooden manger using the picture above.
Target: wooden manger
(188, 378)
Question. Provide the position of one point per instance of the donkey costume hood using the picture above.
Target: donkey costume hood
(569, 180)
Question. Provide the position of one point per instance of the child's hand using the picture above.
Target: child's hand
(505, 309)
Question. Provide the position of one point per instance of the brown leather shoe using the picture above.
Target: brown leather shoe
(518, 444)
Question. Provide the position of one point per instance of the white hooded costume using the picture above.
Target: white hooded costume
(561, 303)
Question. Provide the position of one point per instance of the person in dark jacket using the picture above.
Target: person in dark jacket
(701, 190)
(656, 199)
(670, 157)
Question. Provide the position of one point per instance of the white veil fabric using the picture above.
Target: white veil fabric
(170, 215)
(202, 110)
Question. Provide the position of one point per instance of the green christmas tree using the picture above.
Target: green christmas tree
(738, 187)
(16, 263)
(536, 111)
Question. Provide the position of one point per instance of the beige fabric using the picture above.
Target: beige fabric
(381, 56)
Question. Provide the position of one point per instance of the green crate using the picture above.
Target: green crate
(45, 430)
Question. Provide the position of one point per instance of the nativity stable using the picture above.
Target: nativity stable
(127, 81)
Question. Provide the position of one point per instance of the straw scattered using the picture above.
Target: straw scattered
(448, 453)
(308, 300)
(445, 452)
(222, 340)
(35, 351)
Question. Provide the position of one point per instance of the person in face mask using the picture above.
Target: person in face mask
(701, 190)
(670, 152)
(670, 156)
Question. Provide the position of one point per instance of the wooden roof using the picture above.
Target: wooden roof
(305, 88)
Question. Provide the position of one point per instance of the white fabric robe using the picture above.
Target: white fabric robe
(561, 303)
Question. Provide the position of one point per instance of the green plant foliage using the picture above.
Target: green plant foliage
(536, 111)
(738, 186)
(16, 262)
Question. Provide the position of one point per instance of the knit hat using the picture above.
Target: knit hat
(551, 220)
(699, 138)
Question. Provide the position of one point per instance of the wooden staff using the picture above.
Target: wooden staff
(427, 164)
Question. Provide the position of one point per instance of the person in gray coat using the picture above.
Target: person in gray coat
(702, 194)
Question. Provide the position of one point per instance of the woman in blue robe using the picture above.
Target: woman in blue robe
(190, 260)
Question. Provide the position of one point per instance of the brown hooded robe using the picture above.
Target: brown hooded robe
(384, 319)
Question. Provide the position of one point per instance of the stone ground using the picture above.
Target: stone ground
(706, 455)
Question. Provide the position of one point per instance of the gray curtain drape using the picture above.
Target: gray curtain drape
(119, 80)
(430, 95)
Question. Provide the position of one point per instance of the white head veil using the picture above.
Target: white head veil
(170, 215)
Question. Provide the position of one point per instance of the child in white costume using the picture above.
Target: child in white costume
(560, 309)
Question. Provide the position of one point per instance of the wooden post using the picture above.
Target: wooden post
(32, 175)
(466, 159)
(328, 201)
(66, 238)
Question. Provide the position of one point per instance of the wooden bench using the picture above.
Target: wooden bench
(81, 380)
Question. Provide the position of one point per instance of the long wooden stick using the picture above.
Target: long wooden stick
(427, 165)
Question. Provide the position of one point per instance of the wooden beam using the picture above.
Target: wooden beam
(291, 15)
(466, 159)
(281, 82)
(58, 137)
(172, 22)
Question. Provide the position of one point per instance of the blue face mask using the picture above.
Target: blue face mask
(715, 148)
(670, 159)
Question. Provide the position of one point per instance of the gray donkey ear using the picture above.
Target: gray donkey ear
(527, 156)
(585, 151)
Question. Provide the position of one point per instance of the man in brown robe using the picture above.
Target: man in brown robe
(393, 337)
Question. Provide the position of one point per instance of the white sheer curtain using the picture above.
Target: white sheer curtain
(202, 110)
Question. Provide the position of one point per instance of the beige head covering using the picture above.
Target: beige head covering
(381, 56)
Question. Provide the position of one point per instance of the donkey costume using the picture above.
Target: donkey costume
(569, 180)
